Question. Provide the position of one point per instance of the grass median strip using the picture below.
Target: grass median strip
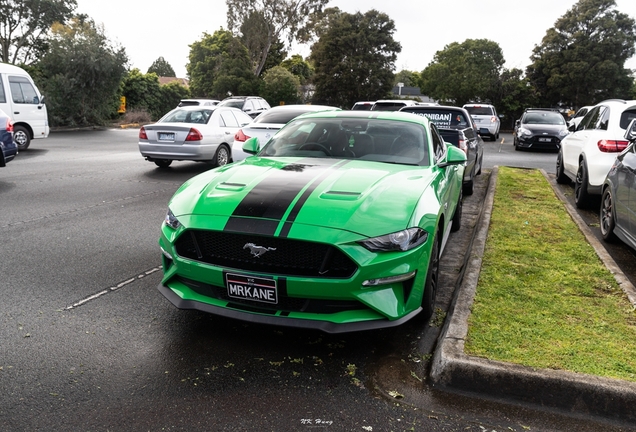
(544, 299)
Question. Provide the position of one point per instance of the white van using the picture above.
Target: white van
(22, 101)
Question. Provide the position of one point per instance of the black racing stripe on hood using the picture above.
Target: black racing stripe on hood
(265, 205)
(303, 199)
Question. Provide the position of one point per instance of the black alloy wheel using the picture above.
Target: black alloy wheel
(432, 280)
(606, 215)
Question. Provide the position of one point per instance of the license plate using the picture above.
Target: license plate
(166, 136)
(251, 288)
(545, 139)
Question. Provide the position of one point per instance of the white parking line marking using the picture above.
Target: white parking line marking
(113, 288)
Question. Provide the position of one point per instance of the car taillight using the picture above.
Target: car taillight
(142, 133)
(493, 119)
(194, 135)
(9, 125)
(611, 146)
(240, 136)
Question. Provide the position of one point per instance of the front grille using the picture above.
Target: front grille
(285, 303)
(280, 256)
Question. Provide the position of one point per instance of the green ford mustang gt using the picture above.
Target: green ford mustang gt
(336, 224)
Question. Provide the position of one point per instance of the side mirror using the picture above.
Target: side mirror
(572, 127)
(251, 146)
(454, 156)
(517, 123)
(630, 133)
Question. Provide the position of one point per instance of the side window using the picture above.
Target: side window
(603, 118)
(590, 119)
(3, 97)
(438, 144)
(249, 106)
(22, 91)
(229, 119)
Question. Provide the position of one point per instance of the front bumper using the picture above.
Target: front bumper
(540, 142)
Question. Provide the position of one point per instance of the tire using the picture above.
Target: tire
(581, 196)
(457, 216)
(222, 156)
(517, 148)
(21, 137)
(432, 281)
(606, 216)
(561, 178)
(468, 187)
(162, 163)
(481, 162)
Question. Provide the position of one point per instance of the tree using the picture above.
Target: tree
(81, 74)
(171, 95)
(280, 85)
(581, 59)
(464, 72)
(142, 92)
(266, 21)
(162, 68)
(299, 67)
(408, 78)
(514, 95)
(354, 58)
(220, 66)
(24, 25)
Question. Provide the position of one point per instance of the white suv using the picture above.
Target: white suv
(587, 154)
(486, 119)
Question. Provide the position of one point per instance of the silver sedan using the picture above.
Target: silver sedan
(195, 133)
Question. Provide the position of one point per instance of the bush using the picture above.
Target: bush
(140, 116)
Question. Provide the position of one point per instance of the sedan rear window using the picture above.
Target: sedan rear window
(479, 110)
(279, 116)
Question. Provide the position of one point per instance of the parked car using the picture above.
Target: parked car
(456, 127)
(21, 100)
(267, 124)
(196, 133)
(486, 119)
(539, 128)
(337, 224)
(578, 116)
(391, 105)
(362, 106)
(251, 105)
(8, 147)
(199, 102)
(587, 154)
(618, 207)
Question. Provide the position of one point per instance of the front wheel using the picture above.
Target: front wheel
(606, 216)
(21, 137)
(561, 178)
(162, 163)
(581, 195)
(432, 280)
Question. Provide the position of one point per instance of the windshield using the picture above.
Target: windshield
(552, 118)
(345, 138)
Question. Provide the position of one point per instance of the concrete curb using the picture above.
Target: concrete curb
(574, 392)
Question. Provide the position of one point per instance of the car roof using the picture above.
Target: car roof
(368, 115)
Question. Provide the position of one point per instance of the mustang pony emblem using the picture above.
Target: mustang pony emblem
(257, 251)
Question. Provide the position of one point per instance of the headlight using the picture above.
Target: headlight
(525, 132)
(563, 132)
(398, 241)
(171, 220)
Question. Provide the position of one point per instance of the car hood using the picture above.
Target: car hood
(263, 194)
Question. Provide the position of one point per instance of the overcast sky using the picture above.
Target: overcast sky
(149, 29)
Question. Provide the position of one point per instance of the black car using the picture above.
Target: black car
(540, 128)
(457, 127)
(251, 105)
(8, 147)
(618, 208)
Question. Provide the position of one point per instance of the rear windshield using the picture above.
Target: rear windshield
(479, 110)
(233, 103)
(187, 116)
(441, 117)
(279, 116)
(627, 116)
(387, 106)
(362, 107)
